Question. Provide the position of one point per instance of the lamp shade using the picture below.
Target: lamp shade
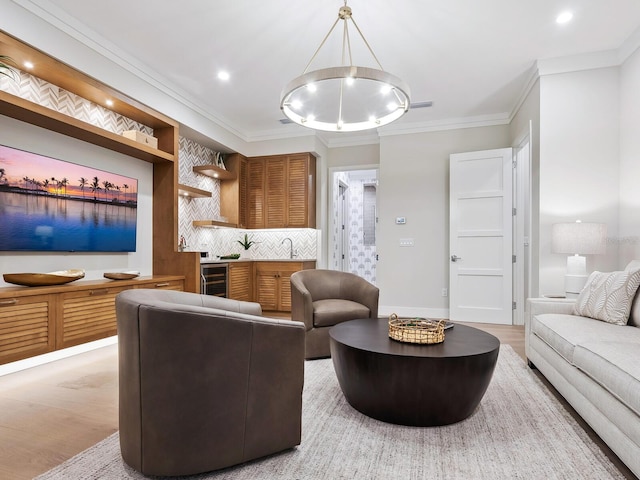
(579, 238)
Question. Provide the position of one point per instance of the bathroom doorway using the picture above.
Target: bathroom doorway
(353, 222)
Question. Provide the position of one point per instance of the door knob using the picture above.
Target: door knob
(455, 258)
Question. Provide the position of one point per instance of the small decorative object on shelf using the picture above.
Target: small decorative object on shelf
(121, 275)
(218, 160)
(141, 137)
(183, 244)
(44, 279)
(416, 330)
(7, 68)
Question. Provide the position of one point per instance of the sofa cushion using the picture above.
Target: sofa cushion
(563, 332)
(615, 365)
(333, 311)
(608, 296)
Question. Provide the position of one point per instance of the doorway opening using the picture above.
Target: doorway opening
(353, 222)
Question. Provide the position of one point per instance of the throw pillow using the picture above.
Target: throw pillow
(608, 296)
(634, 316)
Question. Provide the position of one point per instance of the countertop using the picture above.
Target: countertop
(217, 260)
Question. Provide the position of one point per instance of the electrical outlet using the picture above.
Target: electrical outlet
(406, 242)
(445, 292)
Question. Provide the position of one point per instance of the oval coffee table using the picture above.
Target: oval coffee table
(411, 384)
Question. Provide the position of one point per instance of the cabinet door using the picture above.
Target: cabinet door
(242, 192)
(276, 204)
(239, 281)
(87, 315)
(267, 289)
(27, 327)
(255, 193)
(299, 188)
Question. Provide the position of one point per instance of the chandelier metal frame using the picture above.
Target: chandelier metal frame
(348, 76)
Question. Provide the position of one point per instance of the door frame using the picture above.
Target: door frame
(522, 233)
(329, 238)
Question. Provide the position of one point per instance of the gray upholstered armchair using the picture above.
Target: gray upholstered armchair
(205, 382)
(324, 298)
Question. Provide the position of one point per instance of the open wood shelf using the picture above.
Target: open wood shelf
(26, 111)
(215, 172)
(193, 192)
(213, 224)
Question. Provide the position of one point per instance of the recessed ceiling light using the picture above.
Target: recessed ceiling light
(224, 76)
(564, 17)
(28, 65)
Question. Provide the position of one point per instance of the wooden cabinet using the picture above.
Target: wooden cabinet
(27, 326)
(233, 193)
(273, 284)
(281, 191)
(239, 281)
(38, 320)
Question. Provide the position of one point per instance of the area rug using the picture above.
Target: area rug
(520, 430)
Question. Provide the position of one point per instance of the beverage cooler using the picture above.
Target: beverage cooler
(213, 279)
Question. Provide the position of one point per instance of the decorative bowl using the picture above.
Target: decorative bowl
(121, 275)
(44, 279)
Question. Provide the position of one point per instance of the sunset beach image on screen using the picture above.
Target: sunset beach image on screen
(48, 204)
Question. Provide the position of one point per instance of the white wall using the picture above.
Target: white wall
(414, 183)
(579, 166)
(34, 139)
(629, 234)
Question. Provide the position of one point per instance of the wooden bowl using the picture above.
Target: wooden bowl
(121, 275)
(43, 279)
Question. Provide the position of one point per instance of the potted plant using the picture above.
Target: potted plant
(7, 67)
(246, 244)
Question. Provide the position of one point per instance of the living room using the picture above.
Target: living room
(580, 114)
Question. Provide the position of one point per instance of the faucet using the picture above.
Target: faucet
(291, 246)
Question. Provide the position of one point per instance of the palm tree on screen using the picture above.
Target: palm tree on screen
(83, 183)
(95, 187)
(3, 175)
(63, 183)
(107, 186)
(126, 187)
(45, 184)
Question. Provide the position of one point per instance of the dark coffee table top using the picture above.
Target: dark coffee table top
(373, 335)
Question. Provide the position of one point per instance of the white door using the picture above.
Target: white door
(480, 236)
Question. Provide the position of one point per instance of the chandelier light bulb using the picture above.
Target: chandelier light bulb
(349, 80)
(312, 87)
(296, 104)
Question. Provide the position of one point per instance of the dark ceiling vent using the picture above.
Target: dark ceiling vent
(420, 105)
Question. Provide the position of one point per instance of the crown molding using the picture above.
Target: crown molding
(630, 45)
(445, 124)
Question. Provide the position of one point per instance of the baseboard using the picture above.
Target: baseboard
(385, 310)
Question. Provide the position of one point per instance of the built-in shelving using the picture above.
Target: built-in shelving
(193, 192)
(215, 172)
(71, 80)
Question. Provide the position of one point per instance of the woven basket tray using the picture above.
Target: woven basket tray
(416, 330)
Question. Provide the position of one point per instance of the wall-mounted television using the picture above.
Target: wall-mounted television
(48, 204)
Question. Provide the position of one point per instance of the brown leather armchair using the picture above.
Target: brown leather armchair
(324, 298)
(205, 382)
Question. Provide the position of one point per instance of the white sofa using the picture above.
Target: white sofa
(594, 365)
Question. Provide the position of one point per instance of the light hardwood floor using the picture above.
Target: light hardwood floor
(51, 412)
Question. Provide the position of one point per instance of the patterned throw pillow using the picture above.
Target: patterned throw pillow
(608, 296)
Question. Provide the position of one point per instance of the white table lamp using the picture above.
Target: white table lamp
(577, 239)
